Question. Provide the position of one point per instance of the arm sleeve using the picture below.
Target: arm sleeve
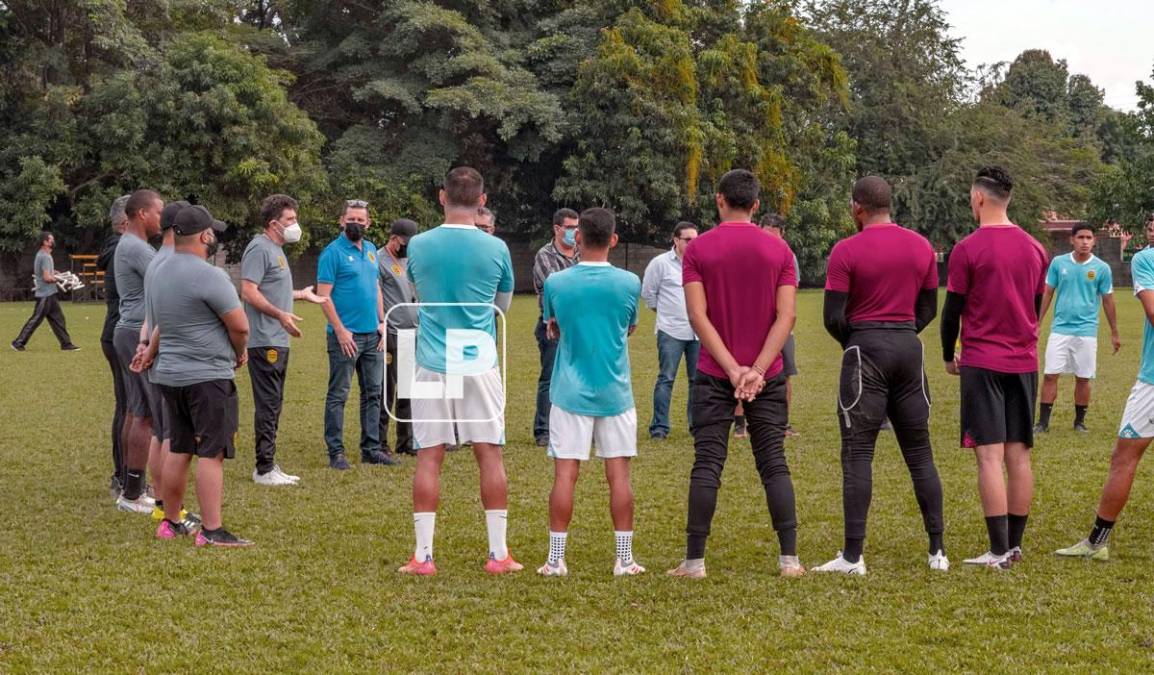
(788, 271)
(833, 314)
(505, 285)
(926, 308)
(546, 301)
(1052, 276)
(327, 267)
(931, 279)
(690, 269)
(651, 283)
(958, 274)
(951, 323)
(539, 272)
(253, 265)
(636, 304)
(1106, 281)
(219, 293)
(837, 274)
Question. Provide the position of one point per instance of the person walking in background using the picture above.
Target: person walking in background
(559, 254)
(47, 304)
(592, 309)
(397, 291)
(105, 264)
(347, 274)
(662, 292)
(1082, 282)
(268, 295)
(740, 292)
(486, 220)
(997, 276)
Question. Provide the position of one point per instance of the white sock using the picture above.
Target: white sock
(424, 524)
(497, 520)
(557, 542)
(624, 546)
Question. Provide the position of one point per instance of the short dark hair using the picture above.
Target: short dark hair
(681, 227)
(772, 219)
(596, 226)
(463, 187)
(996, 182)
(139, 201)
(45, 235)
(1081, 226)
(561, 215)
(873, 194)
(274, 206)
(739, 188)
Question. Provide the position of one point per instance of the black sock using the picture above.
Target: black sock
(937, 543)
(1044, 411)
(134, 484)
(997, 528)
(695, 547)
(1017, 526)
(739, 421)
(1101, 532)
(160, 504)
(1080, 414)
(788, 541)
(853, 549)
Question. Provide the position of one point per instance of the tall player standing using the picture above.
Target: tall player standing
(996, 279)
(458, 264)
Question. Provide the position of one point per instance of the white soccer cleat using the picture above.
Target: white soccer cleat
(630, 570)
(142, 504)
(840, 564)
(988, 559)
(272, 478)
(939, 561)
(549, 570)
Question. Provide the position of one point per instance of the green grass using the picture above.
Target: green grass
(83, 587)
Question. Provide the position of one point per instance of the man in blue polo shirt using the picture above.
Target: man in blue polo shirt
(347, 272)
(1081, 281)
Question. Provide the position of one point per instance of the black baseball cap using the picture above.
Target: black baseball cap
(196, 219)
(168, 215)
(403, 227)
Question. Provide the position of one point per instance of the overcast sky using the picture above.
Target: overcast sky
(1112, 41)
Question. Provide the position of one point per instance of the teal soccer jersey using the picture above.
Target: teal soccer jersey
(1142, 269)
(1078, 289)
(466, 268)
(594, 304)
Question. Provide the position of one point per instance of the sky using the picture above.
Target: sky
(1111, 41)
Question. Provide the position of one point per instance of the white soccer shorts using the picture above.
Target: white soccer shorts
(1138, 418)
(1072, 355)
(478, 415)
(572, 436)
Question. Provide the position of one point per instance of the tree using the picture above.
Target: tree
(1126, 191)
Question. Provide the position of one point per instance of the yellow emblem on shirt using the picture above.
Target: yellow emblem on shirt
(372, 258)
(1090, 275)
(281, 262)
(272, 356)
(397, 270)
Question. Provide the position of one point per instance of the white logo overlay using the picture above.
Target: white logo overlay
(467, 352)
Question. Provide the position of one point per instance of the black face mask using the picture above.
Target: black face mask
(354, 231)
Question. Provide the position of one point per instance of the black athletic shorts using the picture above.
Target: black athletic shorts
(789, 357)
(203, 418)
(997, 407)
(160, 422)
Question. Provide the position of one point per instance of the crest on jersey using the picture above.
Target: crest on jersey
(396, 270)
(281, 261)
(1091, 274)
(272, 356)
(372, 258)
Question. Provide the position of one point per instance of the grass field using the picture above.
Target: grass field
(84, 587)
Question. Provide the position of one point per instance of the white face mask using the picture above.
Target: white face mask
(292, 233)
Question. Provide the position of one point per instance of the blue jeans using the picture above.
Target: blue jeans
(669, 352)
(548, 351)
(369, 364)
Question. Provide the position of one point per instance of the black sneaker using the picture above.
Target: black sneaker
(659, 435)
(1081, 428)
(377, 457)
(17, 347)
(407, 451)
(70, 348)
(542, 441)
(339, 462)
(220, 537)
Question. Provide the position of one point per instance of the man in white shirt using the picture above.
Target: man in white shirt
(661, 290)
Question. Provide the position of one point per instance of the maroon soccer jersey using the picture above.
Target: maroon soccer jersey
(741, 268)
(882, 268)
(1000, 269)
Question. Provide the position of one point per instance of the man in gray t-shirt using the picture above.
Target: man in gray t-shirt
(203, 340)
(130, 262)
(267, 291)
(396, 289)
(47, 305)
